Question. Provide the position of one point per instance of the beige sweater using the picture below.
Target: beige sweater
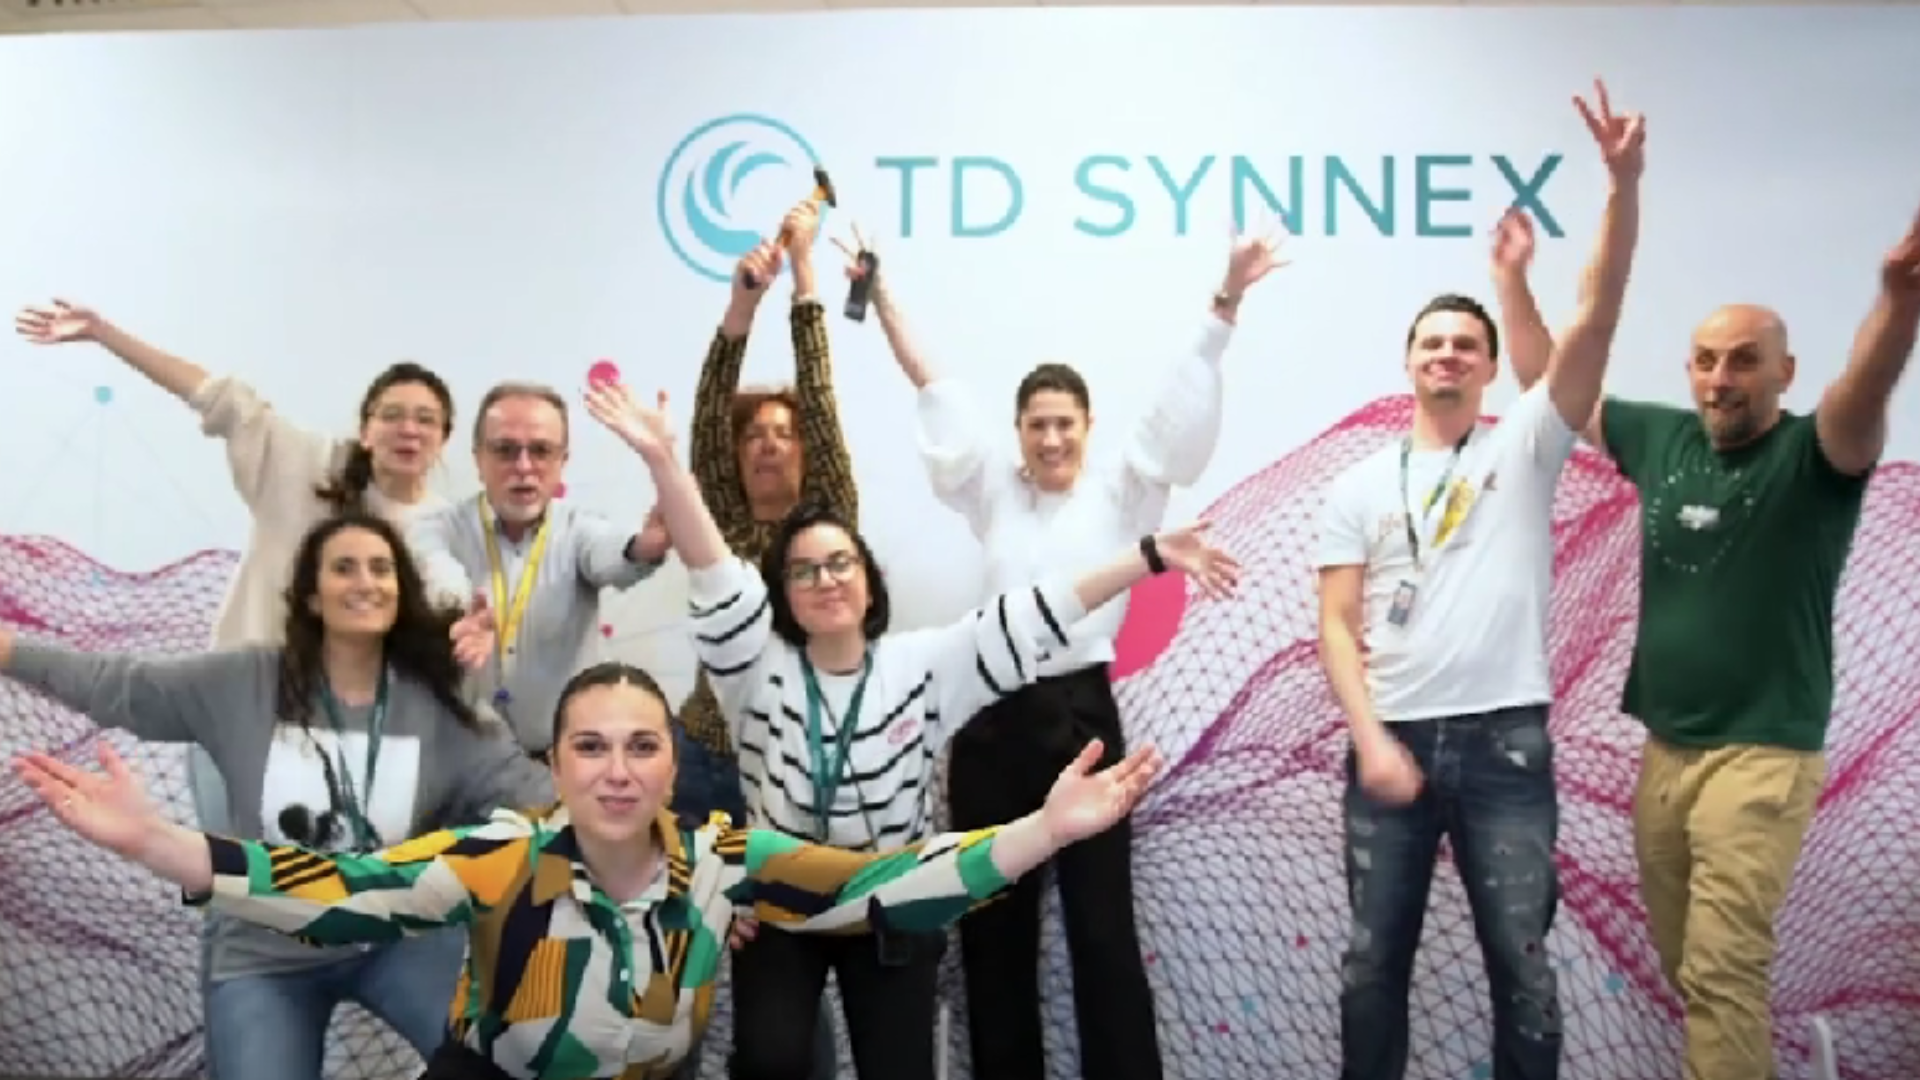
(276, 467)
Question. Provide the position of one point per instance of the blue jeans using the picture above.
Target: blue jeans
(704, 782)
(1489, 789)
(273, 1027)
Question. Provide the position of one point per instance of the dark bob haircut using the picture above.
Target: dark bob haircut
(773, 570)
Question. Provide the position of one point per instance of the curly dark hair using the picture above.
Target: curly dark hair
(348, 489)
(773, 570)
(419, 646)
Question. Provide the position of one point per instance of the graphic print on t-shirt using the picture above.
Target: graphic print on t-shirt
(1460, 498)
(294, 795)
(1694, 513)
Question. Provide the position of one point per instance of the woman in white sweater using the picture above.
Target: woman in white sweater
(1036, 516)
(838, 721)
(291, 479)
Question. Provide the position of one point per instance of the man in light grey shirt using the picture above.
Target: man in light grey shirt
(528, 570)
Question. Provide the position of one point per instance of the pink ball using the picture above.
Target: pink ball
(602, 373)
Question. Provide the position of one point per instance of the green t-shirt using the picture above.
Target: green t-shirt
(1740, 557)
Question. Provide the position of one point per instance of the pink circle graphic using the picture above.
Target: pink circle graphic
(1154, 608)
(602, 373)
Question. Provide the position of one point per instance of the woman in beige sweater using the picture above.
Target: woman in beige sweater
(290, 477)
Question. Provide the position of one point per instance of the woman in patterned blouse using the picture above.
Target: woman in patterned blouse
(595, 927)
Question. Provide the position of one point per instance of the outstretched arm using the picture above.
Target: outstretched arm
(927, 886)
(270, 457)
(997, 649)
(716, 464)
(322, 899)
(1851, 419)
(62, 321)
(162, 699)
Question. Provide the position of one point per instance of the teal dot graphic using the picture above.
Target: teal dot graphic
(103, 394)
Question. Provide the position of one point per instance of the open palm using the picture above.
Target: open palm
(1901, 272)
(1185, 549)
(1254, 257)
(646, 430)
(1513, 242)
(108, 808)
(56, 323)
(1084, 803)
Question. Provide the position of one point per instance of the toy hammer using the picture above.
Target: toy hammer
(822, 193)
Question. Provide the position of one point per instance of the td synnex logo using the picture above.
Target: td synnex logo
(710, 212)
(712, 215)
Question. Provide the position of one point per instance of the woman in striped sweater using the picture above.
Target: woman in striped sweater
(838, 721)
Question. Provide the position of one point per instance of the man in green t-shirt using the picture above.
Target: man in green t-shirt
(1747, 514)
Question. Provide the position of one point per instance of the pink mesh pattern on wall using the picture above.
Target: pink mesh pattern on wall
(1237, 851)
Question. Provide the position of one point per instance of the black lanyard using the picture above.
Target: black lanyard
(1439, 488)
(364, 834)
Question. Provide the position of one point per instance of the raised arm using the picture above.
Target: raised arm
(1529, 342)
(171, 700)
(922, 888)
(1576, 375)
(952, 435)
(996, 649)
(714, 454)
(269, 457)
(828, 479)
(1851, 419)
(1175, 439)
(62, 321)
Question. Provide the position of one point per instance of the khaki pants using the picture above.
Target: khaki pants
(1717, 833)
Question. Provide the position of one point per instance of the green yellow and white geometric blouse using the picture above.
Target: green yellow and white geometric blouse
(561, 982)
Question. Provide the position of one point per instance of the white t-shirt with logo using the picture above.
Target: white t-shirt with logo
(1475, 636)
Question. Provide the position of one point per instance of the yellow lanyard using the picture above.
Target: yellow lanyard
(508, 614)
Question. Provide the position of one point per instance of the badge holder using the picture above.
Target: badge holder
(1402, 607)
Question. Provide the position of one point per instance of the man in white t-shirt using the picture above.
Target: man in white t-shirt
(1436, 564)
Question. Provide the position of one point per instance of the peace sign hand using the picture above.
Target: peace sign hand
(1214, 571)
(1621, 136)
(856, 267)
(648, 431)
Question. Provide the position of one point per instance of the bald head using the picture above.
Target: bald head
(1739, 368)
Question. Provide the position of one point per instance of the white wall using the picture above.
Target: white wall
(303, 208)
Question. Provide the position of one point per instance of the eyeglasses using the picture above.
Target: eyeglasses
(397, 414)
(839, 566)
(506, 451)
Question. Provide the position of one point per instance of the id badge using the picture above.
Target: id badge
(1402, 607)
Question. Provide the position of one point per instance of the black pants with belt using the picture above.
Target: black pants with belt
(1004, 763)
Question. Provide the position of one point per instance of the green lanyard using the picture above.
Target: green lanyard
(826, 781)
(376, 726)
(1439, 488)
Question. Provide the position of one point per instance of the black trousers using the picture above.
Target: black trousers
(779, 980)
(1004, 763)
(454, 1061)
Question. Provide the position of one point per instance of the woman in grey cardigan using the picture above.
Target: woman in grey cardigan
(352, 736)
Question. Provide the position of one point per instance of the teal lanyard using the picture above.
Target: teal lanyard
(826, 779)
(1439, 488)
(376, 727)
